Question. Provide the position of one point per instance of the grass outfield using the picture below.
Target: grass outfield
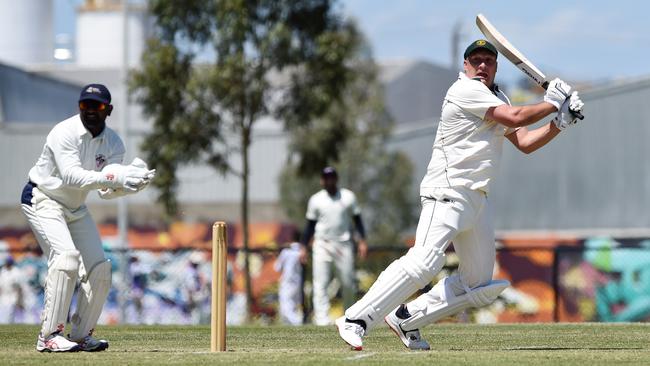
(503, 344)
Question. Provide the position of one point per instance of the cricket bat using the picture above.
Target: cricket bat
(512, 54)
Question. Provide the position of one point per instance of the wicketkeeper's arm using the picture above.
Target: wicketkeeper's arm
(66, 156)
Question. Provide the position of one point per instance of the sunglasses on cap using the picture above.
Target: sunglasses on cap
(92, 104)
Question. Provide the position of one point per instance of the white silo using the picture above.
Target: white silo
(26, 32)
(100, 33)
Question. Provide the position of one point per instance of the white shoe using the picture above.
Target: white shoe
(90, 344)
(352, 333)
(55, 342)
(411, 338)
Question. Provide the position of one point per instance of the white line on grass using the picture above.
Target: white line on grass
(358, 357)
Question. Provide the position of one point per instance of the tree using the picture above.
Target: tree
(197, 107)
(361, 128)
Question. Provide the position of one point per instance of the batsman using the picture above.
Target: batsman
(80, 155)
(476, 118)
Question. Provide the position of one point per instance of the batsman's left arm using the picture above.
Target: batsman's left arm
(528, 141)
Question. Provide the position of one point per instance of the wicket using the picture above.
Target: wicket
(218, 309)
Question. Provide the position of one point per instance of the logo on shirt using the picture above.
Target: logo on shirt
(100, 161)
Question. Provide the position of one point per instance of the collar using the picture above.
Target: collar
(494, 89)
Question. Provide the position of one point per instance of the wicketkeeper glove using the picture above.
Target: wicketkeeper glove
(128, 177)
(139, 163)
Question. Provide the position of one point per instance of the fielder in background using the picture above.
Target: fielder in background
(80, 155)
(330, 214)
(476, 118)
(290, 266)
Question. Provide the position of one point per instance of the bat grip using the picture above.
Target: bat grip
(578, 115)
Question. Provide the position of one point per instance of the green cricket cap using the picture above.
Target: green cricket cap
(478, 44)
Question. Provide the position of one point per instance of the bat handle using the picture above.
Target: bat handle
(577, 114)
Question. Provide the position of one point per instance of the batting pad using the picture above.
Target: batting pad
(424, 311)
(90, 300)
(395, 284)
(59, 287)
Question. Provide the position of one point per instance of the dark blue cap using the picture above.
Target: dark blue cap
(328, 171)
(96, 92)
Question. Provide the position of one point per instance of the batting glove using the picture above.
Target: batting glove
(575, 103)
(566, 115)
(557, 92)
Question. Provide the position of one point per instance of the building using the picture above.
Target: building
(592, 177)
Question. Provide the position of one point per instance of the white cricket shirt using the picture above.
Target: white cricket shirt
(288, 263)
(333, 214)
(69, 165)
(467, 149)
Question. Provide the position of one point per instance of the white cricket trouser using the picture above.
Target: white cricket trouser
(469, 219)
(59, 229)
(290, 300)
(325, 254)
(456, 215)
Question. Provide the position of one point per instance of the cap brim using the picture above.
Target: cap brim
(95, 97)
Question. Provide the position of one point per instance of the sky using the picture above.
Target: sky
(594, 40)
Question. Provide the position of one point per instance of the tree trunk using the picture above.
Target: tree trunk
(244, 218)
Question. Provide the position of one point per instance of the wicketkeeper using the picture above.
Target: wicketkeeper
(80, 155)
(476, 117)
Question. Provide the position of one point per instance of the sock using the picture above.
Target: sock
(402, 312)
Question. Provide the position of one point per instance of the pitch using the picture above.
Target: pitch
(528, 344)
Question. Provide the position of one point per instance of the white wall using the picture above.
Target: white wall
(26, 31)
(100, 35)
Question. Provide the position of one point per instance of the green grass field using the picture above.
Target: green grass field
(512, 344)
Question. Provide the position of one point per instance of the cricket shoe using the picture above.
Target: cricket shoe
(55, 342)
(352, 333)
(411, 338)
(90, 344)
